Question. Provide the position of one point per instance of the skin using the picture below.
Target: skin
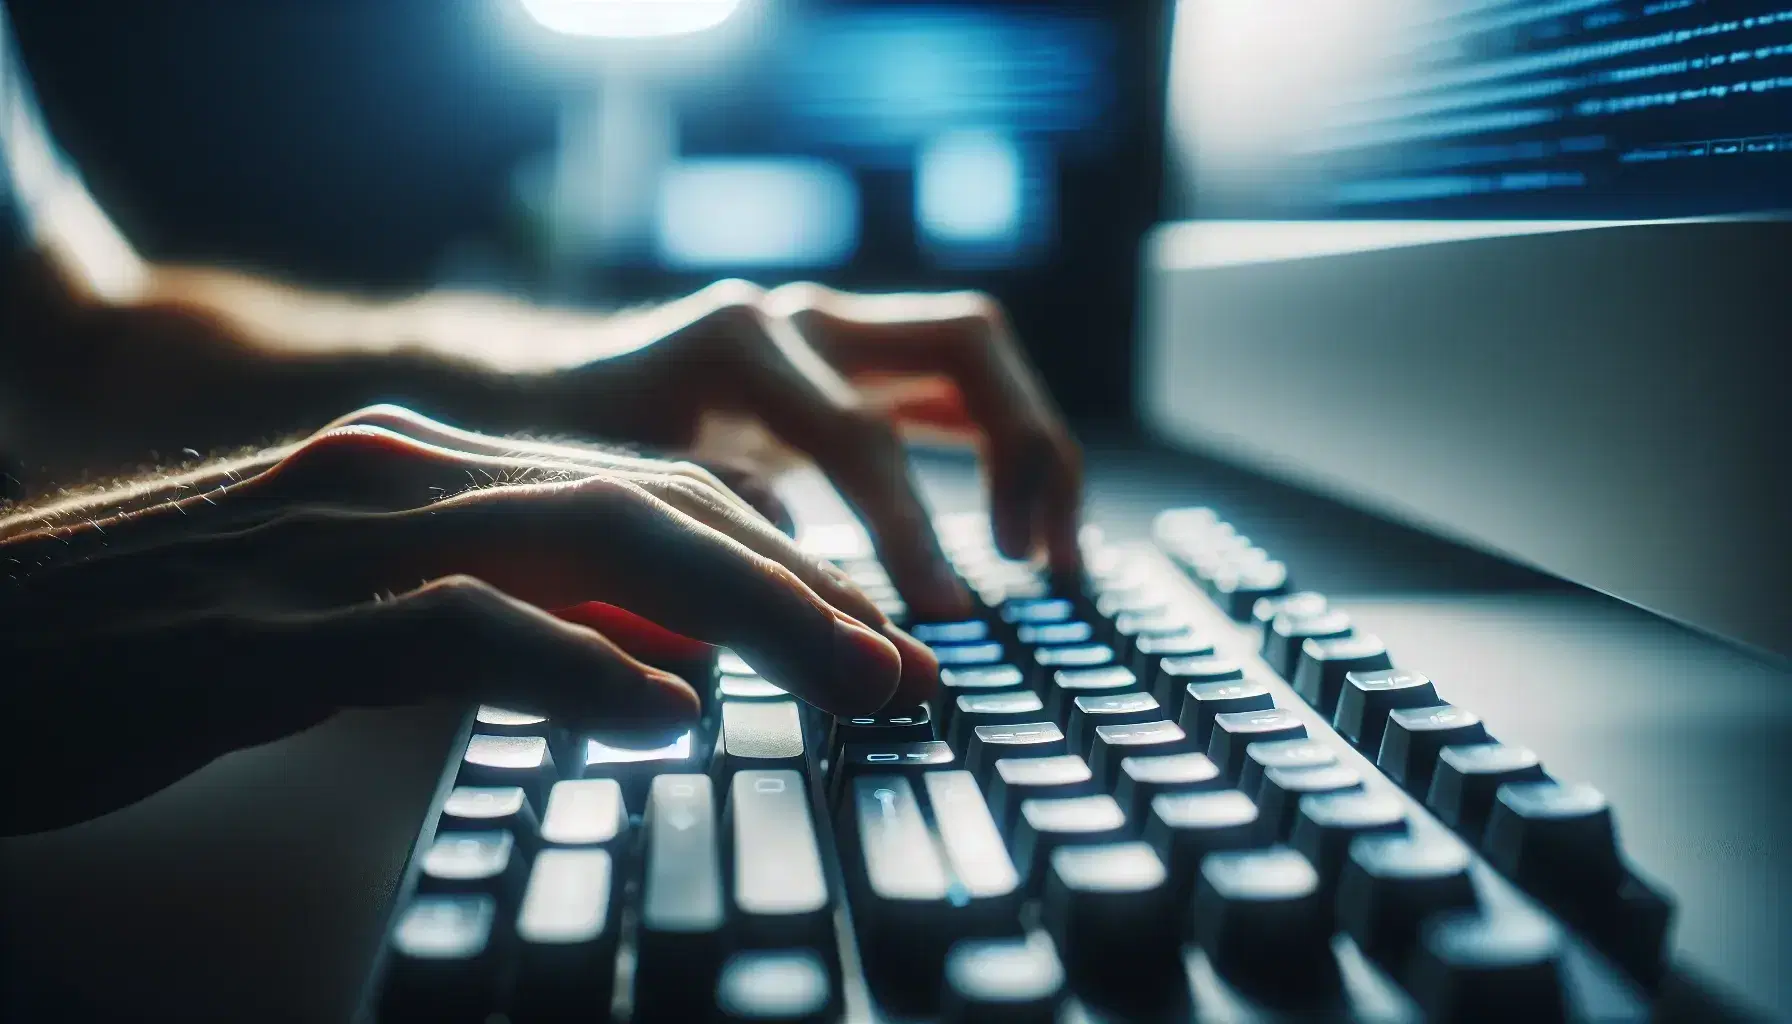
(390, 557)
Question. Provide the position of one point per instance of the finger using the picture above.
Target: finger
(462, 638)
(1035, 470)
(920, 670)
(754, 487)
(705, 506)
(600, 539)
(778, 377)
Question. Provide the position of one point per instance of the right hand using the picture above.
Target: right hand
(390, 559)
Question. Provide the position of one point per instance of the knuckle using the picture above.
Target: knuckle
(346, 455)
(698, 474)
(379, 414)
(733, 298)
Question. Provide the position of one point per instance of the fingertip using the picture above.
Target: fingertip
(920, 678)
(866, 670)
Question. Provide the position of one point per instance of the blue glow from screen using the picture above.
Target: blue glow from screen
(898, 76)
(978, 198)
(757, 212)
(967, 188)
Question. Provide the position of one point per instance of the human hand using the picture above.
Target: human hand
(390, 559)
(793, 358)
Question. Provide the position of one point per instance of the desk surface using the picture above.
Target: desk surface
(255, 889)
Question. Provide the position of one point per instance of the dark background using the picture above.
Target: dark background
(351, 144)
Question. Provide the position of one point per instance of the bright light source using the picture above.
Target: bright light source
(968, 188)
(766, 212)
(630, 19)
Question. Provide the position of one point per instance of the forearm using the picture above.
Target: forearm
(107, 386)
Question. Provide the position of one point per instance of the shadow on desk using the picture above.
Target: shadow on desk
(253, 890)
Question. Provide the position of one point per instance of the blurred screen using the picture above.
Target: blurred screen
(1481, 108)
(963, 115)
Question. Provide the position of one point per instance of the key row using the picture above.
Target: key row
(492, 927)
(1557, 841)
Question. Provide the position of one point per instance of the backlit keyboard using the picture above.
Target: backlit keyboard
(1179, 790)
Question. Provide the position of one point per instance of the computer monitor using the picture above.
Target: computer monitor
(1511, 270)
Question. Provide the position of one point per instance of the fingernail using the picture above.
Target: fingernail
(867, 668)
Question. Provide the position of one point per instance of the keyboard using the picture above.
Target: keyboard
(1176, 789)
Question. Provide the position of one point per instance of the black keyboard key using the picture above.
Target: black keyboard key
(1319, 675)
(1278, 798)
(1326, 823)
(442, 962)
(1260, 757)
(969, 631)
(1175, 675)
(956, 683)
(750, 688)
(523, 761)
(1472, 968)
(1185, 827)
(1144, 778)
(1067, 685)
(1050, 662)
(1113, 743)
(1392, 884)
(584, 812)
(1265, 924)
(891, 725)
(1367, 697)
(991, 743)
(1047, 825)
(1414, 736)
(776, 986)
(1003, 981)
(987, 880)
(1302, 604)
(1130, 627)
(679, 935)
(1091, 710)
(1235, 732)
(1466, 778)
(1556, 840)
(1238, 588)
(494, 721)
(901, 909)
(1015, 779)
(1109, 910)
(910, 759)
(1282, 642)
(1201, 702)
(1005, 708)
(634, 759)
(1054, 634)
(968, 655)
(1149, 652)
(566, 937)
(480, 808)
(473, 862)
(780, 892)
(1143, 597)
